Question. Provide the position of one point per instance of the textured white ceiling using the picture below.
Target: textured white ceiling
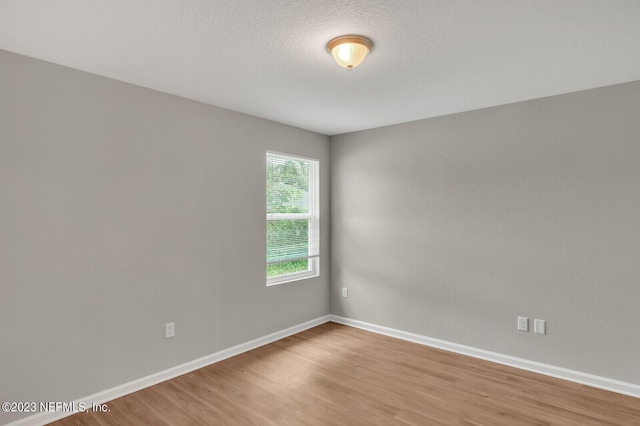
(268, 58)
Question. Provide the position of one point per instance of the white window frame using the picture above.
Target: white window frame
(313, 217)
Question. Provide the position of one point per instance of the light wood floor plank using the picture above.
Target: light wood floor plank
(338, 375)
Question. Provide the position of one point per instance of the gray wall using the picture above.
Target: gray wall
(122, 209)
(452, 227)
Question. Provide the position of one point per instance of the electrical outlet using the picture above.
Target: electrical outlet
(345, 292)
(169, 330)
(540, 326)
(523, 323)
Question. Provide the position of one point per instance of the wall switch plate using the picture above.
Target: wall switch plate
(523, 323)
(169, 330)
(345, 292)
(540, 326)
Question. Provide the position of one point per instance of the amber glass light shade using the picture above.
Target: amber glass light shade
(349, 51)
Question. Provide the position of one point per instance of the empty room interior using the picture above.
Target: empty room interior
(226, 212)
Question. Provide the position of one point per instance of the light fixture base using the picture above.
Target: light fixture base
(349, 39)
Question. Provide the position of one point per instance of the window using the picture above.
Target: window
(293, 218)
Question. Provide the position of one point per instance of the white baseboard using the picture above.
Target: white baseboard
(153, 379)
(629, 389)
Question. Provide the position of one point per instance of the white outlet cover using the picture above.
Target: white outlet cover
(345, 292)
(540, 326)
(523, 323)
(169, 330)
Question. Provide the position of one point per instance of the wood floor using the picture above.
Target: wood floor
(339, 375)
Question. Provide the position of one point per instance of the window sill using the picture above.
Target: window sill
(296, 276)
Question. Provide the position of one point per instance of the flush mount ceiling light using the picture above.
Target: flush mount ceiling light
(350, 50)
